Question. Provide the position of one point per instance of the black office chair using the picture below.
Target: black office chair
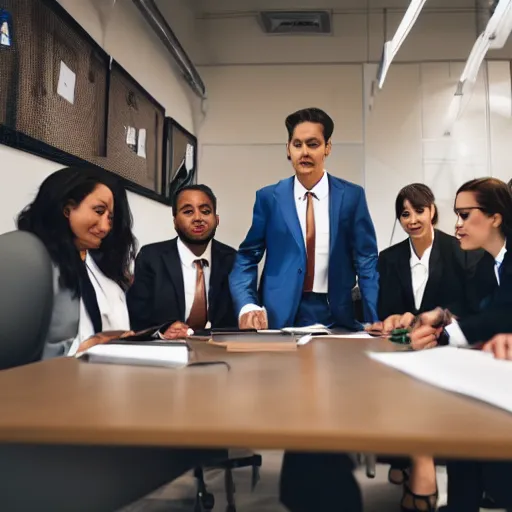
(205, 500)
(26, 298)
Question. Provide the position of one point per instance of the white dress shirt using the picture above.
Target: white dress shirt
(111, 303)
(456, 336)
(321, 209)
(419, 273)
(189, 270)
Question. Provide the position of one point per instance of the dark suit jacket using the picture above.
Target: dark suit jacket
(493, 303)
(157, 295)
(449, 270)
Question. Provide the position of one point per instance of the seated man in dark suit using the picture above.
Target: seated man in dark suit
(183, 282)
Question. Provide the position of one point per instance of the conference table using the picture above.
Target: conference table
(326, 396)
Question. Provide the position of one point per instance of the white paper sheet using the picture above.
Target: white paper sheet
(469, 372)
(174, 356)
(66, 85)
(141, 143)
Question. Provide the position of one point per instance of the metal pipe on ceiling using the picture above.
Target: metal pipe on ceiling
(159, 24)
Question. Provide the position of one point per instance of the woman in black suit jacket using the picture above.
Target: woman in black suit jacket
(484, 221)
(416, 275)
(404, 289)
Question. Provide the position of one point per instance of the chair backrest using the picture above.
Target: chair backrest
(26, 298)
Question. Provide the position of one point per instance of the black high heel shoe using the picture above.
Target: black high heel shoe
(412, 502)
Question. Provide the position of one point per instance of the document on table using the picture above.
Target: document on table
(469, 372)
(170, 354)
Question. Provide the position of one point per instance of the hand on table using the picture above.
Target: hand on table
(428, 327)
(390, 323)
(254, 320)
(176, 331)
(500, 346)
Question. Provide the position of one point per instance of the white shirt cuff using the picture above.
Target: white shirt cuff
(247, 308)
(456, 336)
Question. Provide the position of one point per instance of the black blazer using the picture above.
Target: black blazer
(491, 303)
(449, 270)
(157, 295)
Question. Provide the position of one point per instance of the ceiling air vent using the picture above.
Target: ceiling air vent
(295, 22)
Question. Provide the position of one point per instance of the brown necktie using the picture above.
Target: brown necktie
(310, 243)
(199, 313)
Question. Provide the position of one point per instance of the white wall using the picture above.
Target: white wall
(123, 33)
(254, 80)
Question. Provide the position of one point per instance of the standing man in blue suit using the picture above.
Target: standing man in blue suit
(318, 237)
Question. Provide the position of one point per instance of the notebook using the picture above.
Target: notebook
(255, 341)
(154, 353)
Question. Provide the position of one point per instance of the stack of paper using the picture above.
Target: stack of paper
(308, 329)
(173, 355)
(469, 372)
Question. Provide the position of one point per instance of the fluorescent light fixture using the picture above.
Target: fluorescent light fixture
(500, 24)
(494, 36)
(391, 47)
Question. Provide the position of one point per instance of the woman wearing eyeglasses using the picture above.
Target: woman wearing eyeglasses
(484, 220)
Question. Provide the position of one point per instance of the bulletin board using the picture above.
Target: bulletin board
(57, 81)
(63, 98)
(135, 132)
(180, 158)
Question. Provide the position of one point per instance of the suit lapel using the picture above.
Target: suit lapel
(286, 200)
(435, 273)
(172, 262)
(217, 273)
(336, 194)
(403, 271)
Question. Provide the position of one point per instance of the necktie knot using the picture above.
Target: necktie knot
(200, 263)
(309, 194)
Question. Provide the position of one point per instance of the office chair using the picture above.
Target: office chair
(205, 501)
(26, 298)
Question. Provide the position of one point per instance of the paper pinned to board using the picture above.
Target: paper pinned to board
(454, 369)
(66, 84)
(141, 143)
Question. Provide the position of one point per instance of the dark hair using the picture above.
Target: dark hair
(311, 115)
(200, 188)
(509, 184)
(420, 196)
(45, 218)
(493, 196)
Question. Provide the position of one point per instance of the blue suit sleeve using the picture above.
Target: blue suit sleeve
(366, 256)
(243, 280)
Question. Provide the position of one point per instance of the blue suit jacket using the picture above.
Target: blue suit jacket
(276, 230)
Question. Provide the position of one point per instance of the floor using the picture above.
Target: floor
(379, 495)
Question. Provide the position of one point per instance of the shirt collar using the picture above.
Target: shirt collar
(426, 255)
(321, 189)
(501, 254)
(187, 257)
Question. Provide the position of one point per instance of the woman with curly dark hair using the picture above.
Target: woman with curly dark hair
(83, 217)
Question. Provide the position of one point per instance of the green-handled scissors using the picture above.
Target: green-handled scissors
(400, 336)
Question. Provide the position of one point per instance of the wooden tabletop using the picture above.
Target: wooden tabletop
(328, 395)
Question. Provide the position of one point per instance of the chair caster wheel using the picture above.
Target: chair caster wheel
(208, 501)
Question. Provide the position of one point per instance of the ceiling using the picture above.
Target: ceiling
(240, 6)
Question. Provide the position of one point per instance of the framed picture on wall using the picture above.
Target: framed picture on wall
(180, 161)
